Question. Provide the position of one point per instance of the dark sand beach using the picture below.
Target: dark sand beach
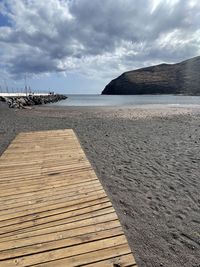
(148, 160)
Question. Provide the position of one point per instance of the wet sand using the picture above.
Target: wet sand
(148, 160)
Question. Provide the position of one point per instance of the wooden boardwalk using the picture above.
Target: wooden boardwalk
(53, 209)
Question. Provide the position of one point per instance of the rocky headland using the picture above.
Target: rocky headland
(181, 78)
(31, 100)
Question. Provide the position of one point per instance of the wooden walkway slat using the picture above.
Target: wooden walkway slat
(53, 209)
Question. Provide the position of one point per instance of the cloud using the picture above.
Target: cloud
(95, 38)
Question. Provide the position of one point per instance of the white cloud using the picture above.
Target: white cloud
(96, 38)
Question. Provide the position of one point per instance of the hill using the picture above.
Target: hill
(180, 78)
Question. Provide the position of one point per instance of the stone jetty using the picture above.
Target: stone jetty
(31, 100)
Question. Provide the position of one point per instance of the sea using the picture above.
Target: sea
(128, 100)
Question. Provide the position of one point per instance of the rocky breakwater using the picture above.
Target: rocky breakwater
(31, 100)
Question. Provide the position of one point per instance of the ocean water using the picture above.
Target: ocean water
(127, 100)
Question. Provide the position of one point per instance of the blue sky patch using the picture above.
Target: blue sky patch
(4, 21)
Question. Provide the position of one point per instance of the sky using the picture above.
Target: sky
(78, 46)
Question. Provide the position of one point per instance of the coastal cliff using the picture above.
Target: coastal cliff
(31, 100)
(181, 78)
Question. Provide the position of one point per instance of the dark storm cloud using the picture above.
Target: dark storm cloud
(58, 35)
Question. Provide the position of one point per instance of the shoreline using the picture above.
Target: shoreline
(127, 112)
(147, 160)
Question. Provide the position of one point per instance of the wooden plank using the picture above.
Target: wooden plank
(54, 210)
(63, 243)
(52, 237)
(101, 208)
(49, 194)
(47, 179)
(71, 205)
(51, 209)
(67, 252)
(19, 189)
(63, 227)
(91, 257)
(37, 196)
(121, 261)
(17, 192)
(32, 177)
(52, 202)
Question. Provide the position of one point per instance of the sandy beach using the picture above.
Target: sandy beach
(147, 159)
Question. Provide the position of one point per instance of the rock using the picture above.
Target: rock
(2, 99)
(22, 101)
(180, 78)
(27, 107)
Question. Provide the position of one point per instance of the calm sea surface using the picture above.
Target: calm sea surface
(127, 100)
